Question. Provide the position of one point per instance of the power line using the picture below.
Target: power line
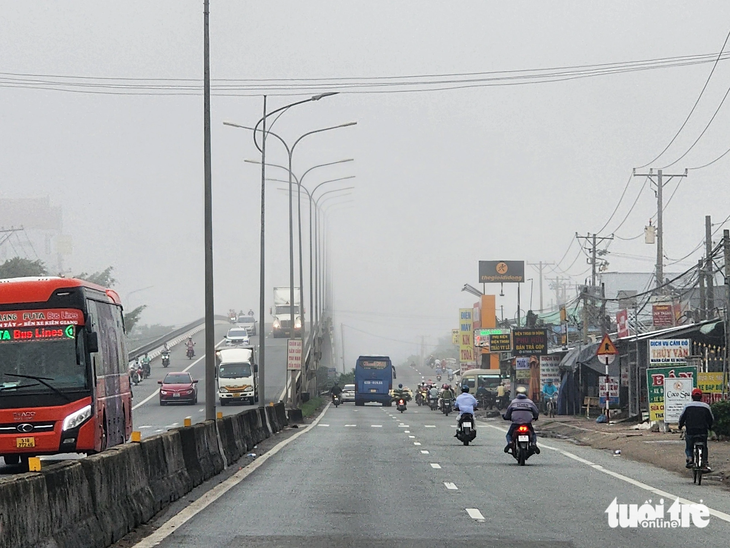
(714, 66)
(626, 187)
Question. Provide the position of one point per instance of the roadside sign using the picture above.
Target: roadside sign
(294, 355)
(606, 348)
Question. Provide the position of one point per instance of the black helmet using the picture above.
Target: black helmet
(400, 386)
(465, 388)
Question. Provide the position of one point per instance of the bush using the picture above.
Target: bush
(721, 411)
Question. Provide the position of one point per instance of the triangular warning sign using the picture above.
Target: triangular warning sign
(606, 348)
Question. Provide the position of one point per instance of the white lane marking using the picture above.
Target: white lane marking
(435, 465)
(376, 426)
(323, 425)
(451, 486)
(718, 514)
(173, 425)
(143, 427)
(475, 514)
(412, 437)
(424, 452)
(416, 443)
(201, 409)
(406, 431)
(159, 430)
(156, 392)
(401, 425)
(429, 426)
(173, 524)
(350, 425)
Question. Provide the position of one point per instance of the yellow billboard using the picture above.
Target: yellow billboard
(466, 336)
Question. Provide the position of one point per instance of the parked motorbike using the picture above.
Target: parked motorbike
(336, 400)
(165, 358)
(465, 431)
(191, 352)
(401, 405)
(522, 449)
(446, 407)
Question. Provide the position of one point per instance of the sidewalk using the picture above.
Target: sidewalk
(662, 450)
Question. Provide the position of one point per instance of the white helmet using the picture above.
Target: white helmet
(521, 390)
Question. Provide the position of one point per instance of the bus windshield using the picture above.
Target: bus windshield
(51, 353)
(235, 370)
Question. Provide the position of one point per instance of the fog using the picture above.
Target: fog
(509, 169)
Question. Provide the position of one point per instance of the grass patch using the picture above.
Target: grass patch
(311, 406)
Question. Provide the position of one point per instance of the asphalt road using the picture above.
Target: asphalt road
(370, 476)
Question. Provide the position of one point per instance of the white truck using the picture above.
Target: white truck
(237, 375)
(281, 312)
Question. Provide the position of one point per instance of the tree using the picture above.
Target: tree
(18, 267)
(103, 278)
(131, 318)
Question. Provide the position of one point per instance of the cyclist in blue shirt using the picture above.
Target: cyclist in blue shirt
(549, 390)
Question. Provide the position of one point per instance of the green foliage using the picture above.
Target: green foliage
(103, 278)
(310, 407)
(721, 411)
(346, 378)
(18, 267)
(131, 318)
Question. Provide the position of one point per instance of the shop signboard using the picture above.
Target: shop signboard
(549, 369)
(529, 342)
(668, 351)
(712, 386)
(655, 382)
(522, 368)
(622, 323)
(501, 272)
(677, 394)
(608, 386)
(662, 315)
(466, 337)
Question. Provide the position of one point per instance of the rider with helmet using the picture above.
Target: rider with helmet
(336, 390)
(446, 394)
(399, 393)
(465, 403)
(697, 418)
(522, 410)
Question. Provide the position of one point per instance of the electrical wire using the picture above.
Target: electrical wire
(626, 187)
(641, 190)
(704, 87)
(709, 163)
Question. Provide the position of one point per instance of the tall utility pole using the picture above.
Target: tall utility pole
(593, 260)
(540, 265)
(709, 277)
(726, 246)
(208, 206)
(659, 184)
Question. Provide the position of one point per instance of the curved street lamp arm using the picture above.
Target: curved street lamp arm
(348, 124)
(268, 132)
(275, 165)
(331, 181)
(317, 201)
(301, 179)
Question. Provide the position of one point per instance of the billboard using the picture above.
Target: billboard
(622, 323)
(663, 351)
(501, 272)
(549, 369)
(466, 336)
(493, 339)
(526, 342)
(655, 383)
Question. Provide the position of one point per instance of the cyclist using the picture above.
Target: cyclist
(697, 418)
(549, 391)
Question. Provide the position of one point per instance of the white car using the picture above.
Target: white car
(348, 392)
(237, 336)
(248, 323)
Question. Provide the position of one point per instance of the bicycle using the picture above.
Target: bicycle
(550, 406)
(698, 453)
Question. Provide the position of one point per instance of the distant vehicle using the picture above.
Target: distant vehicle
(237, 375)
(237, 336)
(178, 388)
(248, 323)
(63, 368)
(348, 393)
(373, 380)
(474, 378)
(282, 321)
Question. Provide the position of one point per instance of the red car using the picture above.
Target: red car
(178, 388)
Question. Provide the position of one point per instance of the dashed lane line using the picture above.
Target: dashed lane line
(475, 514)
(435, 465)
(451, 486)
(416, 443)
(376, 426)
(424, 452)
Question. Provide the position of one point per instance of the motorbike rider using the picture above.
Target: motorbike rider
(433, 393)
(697, 418)
(190, 343)
(165, 348)
(465, 403)
(146, 365)
(446, 394)
(336, 390)
(399, 393)
(521, 410)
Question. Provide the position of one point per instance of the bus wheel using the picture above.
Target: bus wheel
(12, 460)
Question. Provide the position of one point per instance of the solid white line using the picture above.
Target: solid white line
(475, 514)
(718, 514)
(451, 486)
(148, 398)
(173, 524)
(434, 465)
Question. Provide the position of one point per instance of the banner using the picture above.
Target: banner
(622, 322)
(466, 337)
(526, 342)
(677, 394)
(711, 385)
(608, 386)
(655, 383)
(549, 369)
(522, 368)
(663, 351)
(294, 355)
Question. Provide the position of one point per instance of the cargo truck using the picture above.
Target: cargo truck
(282, 325)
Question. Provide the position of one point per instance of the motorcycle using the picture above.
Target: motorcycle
(521, 447)
(146, 369)
(421, 398)
(135, 374)
(438, 378)
(336, 400)
(446, 407)
(502, 402)
(465, 431)
(191, 352)
(433, 403)
(165, 358)
(401, 405)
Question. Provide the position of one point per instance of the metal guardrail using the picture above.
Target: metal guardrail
(172, 338)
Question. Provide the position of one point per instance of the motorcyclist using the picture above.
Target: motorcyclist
(146, 365)
(446, 394)
(250, 311)
(165, 348)
(433, 393)
(522, 410)
(336, 390)
(399, 393)
(189, 344)
(697, 418)
(465, 403)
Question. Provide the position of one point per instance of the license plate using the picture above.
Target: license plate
(466, 425)
(176, 395)
(373, 390)
(523, 438)
(24, 443)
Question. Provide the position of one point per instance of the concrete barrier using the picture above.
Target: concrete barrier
(94, 502)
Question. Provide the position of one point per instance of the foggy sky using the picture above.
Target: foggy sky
(443, 179)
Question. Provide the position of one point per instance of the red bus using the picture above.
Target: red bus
(64, 385)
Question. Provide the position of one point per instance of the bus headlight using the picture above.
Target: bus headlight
(76, 418)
